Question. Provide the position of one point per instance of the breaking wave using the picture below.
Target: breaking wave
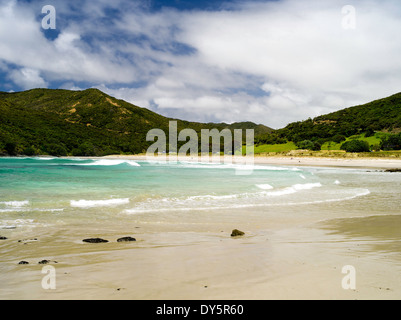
(98, 203)
(109, 162)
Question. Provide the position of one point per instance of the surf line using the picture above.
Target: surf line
(210, 146)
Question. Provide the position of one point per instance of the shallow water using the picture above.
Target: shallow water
(39, 190)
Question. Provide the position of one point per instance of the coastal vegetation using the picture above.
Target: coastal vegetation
(84, 123)
(378, 116)
(355, 146)
(92, 123)
(374, 127)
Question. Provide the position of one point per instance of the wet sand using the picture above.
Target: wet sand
(200, 261)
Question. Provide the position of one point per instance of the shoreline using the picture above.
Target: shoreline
(288, 252)
(382, 163)
(361, 163)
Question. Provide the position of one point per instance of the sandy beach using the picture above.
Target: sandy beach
(288, 252)
(364, 163)
(269, 262)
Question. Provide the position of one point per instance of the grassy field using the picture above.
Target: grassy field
(333, 154)
(329, 149)
(267, 148)
(373, 140)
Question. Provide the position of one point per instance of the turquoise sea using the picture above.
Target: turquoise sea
(42, 190)
(300, 223)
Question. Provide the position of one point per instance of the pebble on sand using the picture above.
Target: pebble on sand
(47, 261)
(236, 233)
(126, 239)
(95, 240)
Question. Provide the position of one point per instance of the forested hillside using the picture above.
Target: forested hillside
(83, 123)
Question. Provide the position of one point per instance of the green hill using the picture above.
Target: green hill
(372, 122)
(92, 123)
(88, 122)
(380, 115)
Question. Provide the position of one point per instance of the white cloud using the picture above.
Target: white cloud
(302, 47)
(67, 58)
(269, 62)
(298, 51)
(28, 78)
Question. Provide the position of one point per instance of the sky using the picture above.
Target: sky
(270, 62)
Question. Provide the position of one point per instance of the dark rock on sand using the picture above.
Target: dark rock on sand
(95, 240)
(393, 170)
(126, 239)
(236, 233)
(3, 238)
(46, 262)
(26, 241)
(23, 262)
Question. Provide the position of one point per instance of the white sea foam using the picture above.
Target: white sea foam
(24, 206)
(293, 189)
(140, 210)
(12, 210)
(12, 224)
(211, 165)
(15, 204)
(363, 193)
(209, 202)
(282, 192)
(219, 165)
(109, 162)
(306, 186)
(98, 203)
(213, 197)
(265, 186)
